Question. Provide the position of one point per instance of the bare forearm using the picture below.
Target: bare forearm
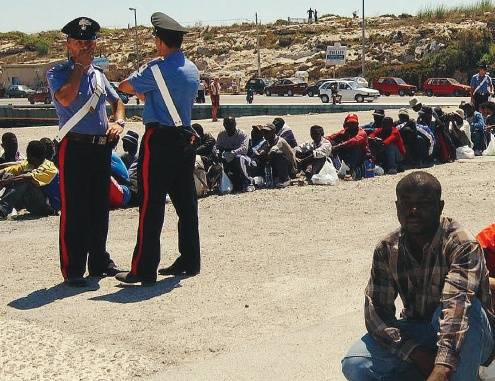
(118, 110)
(68, 92)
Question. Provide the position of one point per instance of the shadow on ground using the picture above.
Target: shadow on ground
(136, 293)
(46, 296)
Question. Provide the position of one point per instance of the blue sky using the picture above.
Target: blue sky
(38, 15)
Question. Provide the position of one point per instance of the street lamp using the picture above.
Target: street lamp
(363, 42)
(136, 37)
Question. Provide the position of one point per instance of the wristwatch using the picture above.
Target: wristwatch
(120, 122)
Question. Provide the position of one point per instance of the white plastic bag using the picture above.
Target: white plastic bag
(344, 168)
(326, 176)
(487, 374)
(464, 152)
(379, 171)
(225, 186)
(490, 150)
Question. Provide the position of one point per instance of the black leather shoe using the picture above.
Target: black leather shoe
(77, 282)
(110, 271)
(177, 271)
(127, 277)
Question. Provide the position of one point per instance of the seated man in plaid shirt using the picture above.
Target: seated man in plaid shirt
(438, 270)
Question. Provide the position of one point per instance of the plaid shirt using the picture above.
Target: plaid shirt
(452, 272)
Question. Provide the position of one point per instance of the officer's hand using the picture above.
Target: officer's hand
(114, 131)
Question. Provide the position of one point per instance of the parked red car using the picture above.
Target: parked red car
(287, 87)
(42, 95)
(445, 86)
(392, 85)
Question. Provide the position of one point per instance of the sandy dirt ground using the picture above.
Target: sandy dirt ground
(280, 296)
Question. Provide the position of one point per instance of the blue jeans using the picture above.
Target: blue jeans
(369, 361)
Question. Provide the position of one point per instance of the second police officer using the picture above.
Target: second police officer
(169, 86)
(80, 91)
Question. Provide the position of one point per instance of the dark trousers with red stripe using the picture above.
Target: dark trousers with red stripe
(166, 165)
(84, 181)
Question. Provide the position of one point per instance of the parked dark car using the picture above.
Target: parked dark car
(258, 85)
(287, 87)
(445, 86)
(42, 95)
(392, 85)
(18, 91)
(314, 89)
(123, 96)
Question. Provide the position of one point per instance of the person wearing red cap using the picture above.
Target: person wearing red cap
(392, 149)
(351, 144)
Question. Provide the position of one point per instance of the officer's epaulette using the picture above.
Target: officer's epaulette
(147, 65)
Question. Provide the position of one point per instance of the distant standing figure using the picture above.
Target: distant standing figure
(316, 16)
(481, 87)
(200, 98)
(310, 15)
(215, 98)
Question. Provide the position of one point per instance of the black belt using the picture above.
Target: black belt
(100, 140)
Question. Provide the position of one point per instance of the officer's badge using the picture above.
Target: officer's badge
(84, 23)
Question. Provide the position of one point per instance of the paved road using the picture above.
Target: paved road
(261, 99)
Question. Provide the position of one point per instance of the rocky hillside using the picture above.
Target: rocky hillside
(413, 47)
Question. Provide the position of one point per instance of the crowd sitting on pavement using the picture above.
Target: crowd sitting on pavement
(269, 157)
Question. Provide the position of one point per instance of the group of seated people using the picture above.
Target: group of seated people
(33, 183)
(271, 156)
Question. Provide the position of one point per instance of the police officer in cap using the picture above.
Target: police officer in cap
(80, 92)
(167, 154)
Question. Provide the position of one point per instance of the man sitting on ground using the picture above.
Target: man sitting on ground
(276, 153)
(284, 131)
(311, 156)
(231, 148)
(205, 146)
(418, 141)
(439, 271)
(130, 143)
(351, 145)
(378, 116)
(477, 127)
(10, 149)
(459, 129)
(27, 184)
(391, 149)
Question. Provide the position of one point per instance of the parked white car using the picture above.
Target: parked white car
(349, 90)
(362, 82)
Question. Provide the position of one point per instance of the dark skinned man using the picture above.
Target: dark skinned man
(439, 271)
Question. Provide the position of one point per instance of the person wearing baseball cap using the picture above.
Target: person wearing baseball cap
(351, 145)
(481, 87)
(378, 116)
(169, 85)
(80, 92)
(130, 143)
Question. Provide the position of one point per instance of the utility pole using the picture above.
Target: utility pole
(136, 37)
(364, 48)
(258, 45)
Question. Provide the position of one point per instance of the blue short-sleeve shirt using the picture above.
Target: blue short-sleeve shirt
(182, 79)
(476, 80)
(94, 123)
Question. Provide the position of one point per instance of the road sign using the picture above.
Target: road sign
(336, 55)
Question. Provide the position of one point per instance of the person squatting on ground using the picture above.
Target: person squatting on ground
(478, 133)
(31, 184)
(311, 156)
(284, 131)
(276, 153)
(10, 149)
(167, 155)
(231, 149)
(438, 270)
(205, 146)
(130, 143)
(85, 204)
(390, 149)
(351, 143)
